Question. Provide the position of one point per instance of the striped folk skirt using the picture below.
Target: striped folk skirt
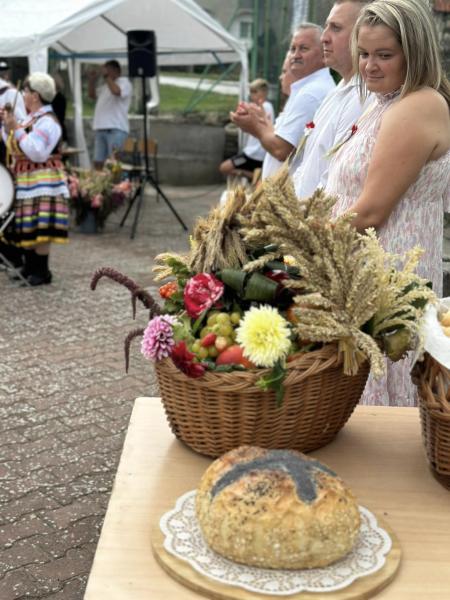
(39, 220)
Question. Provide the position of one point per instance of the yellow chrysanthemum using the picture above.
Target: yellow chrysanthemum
(264, 335)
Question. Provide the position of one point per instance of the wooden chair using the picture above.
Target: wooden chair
(128, 154)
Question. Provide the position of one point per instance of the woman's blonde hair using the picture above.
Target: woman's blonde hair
(412, 23)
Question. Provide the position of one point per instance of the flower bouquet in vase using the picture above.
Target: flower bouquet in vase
(265, 331)
(96, 194)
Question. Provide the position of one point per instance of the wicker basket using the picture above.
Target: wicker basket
(220, 411)
(433, 383)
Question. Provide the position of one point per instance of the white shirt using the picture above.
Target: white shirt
(10, 96)
(43, 137)
(305, 98)
(111, 111)
(333, 122)
(253, 147)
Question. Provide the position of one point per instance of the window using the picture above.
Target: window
(245, 30)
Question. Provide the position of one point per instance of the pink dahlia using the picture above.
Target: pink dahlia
(157, 341)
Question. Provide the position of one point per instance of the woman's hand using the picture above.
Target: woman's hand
(7, 116)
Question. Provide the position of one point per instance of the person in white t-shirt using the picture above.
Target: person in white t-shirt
(307, 93)
(338, 114)
(111, 111)
(251, 158)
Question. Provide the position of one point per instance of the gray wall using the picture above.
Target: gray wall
(189, 150)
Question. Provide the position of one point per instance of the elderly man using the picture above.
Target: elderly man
(313, 82)
(342, 107)
(111, 110)
(9, 95)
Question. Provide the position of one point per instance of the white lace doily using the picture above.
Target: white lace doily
(184, 539)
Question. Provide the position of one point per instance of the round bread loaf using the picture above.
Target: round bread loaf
(277, 509)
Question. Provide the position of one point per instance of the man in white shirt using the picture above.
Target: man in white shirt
(307, 93)
(341, 109)
(111, 111)
(9, 95)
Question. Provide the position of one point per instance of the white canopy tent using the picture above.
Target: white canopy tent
(95, 30)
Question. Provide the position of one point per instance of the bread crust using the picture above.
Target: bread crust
(276, 509)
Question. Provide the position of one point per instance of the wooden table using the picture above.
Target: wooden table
(379, 453)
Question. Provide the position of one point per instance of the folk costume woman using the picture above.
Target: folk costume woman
(394, 173)
(41, 201)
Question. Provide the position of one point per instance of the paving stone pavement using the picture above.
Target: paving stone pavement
(65, 399)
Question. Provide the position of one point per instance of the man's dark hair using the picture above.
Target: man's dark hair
(113, 64)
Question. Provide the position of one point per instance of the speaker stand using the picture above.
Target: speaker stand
(144, 179)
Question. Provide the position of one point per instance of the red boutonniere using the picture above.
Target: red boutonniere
(309, 126)
(339, 145)
(306, 133)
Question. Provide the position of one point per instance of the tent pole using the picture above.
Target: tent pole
(266, 39)
(193, 102)
(254, 57)
(144, 100)
(80, 141)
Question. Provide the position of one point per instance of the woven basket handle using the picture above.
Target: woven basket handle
(433, 380)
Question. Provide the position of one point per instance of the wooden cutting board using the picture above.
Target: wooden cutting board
(361, 589)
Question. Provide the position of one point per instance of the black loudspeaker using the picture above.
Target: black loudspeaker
(141, 53)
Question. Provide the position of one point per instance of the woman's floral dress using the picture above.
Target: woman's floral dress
(416, 221)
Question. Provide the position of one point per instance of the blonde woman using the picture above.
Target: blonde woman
(394, 173)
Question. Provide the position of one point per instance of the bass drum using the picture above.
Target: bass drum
(6, 191)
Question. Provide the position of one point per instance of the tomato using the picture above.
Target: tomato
(234, 355)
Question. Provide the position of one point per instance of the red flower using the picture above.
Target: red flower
(201, 292)
(354, 129)
(184, 360)
(310, 125)
(278, 275)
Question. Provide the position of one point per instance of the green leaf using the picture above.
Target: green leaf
(229, 368)
(170, 306)
(279, 393)
(198, 321)
(178, 267)
(177, 297)
(182, 330)
(274, 381)
(233, 278)
(257, 252)
(260, 288)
